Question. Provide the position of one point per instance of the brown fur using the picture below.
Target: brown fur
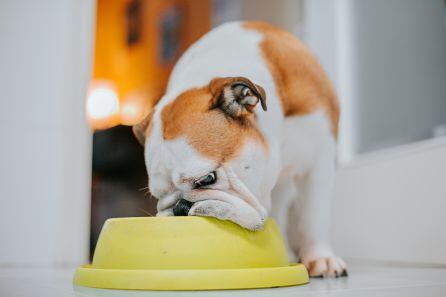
(302, 84)
(207, 128)
(143, 129)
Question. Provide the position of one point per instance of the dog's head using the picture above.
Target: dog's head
(203, 145)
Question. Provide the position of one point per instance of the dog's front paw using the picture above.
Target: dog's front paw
(321, 262)
(225, 211)
(211, 208)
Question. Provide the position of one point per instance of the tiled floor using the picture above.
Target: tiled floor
(363, 281)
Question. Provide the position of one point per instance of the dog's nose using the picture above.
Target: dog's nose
(182, 207)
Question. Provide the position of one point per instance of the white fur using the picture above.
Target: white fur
(291, 180)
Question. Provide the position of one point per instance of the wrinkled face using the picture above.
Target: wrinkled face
(205, 154)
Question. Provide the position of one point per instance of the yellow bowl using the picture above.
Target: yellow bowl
(188, 253)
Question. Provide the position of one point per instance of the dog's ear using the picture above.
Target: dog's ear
(142, 129)
(237, 96)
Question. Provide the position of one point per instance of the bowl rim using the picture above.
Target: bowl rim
(179, 218)
(191, 279)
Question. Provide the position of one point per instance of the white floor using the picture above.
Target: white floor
(364, 280)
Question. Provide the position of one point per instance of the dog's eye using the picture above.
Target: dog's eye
(206, 180)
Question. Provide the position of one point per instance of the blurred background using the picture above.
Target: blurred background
(75, 75)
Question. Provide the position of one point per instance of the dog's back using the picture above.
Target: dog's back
(301, 99)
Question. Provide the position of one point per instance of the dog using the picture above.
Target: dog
(245, 130)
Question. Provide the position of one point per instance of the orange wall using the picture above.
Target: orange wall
(137, 70)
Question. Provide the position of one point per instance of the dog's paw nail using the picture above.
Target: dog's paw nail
(258, 227)
(196, 211)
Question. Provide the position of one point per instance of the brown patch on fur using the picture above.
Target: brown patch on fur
(301, 82)
(206, 127)
(143, 129)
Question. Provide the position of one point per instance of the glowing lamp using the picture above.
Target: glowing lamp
(102, 105)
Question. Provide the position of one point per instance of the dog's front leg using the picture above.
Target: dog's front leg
(309, 218)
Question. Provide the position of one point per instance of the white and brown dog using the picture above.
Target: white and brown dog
(209, 142)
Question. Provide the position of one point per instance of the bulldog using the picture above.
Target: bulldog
(247, 129)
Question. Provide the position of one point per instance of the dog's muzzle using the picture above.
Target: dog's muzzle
(182, 207)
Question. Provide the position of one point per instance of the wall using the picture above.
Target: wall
(400, 70)
(390, 205)
(45, 144)
(387, 61)
(286, 14)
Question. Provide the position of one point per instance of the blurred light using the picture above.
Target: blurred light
(129, 113)
(102, 102)
(132, 107)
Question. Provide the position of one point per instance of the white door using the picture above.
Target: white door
(45, 155)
